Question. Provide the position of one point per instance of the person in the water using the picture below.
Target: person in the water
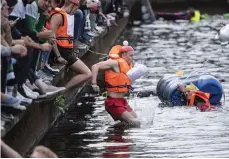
(190, 14)
(117, 85)
(195, 97)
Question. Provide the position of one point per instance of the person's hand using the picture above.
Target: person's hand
(46, 47)
(13, 22)
(62, 60)
(46, 34)
(19, 50)
(27, 40)
(95, 88)
(44, 28)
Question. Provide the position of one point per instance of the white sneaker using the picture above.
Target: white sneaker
(44, 76)
(29, 90)
(51, 90)
(92, 34)
(100, 29)
(23, 99)
(20, 107)
(110, 17)
(28, 94)
(55, 70)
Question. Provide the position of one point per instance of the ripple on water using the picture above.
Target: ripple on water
(163, 47)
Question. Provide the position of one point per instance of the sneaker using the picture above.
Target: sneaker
(14, 103)
(50, 90)
(31, 86)
(41, 73)
(111, 18)
(29, 90)
(108, 23)
(26, 93)
(92, 34)
(48, 82)
(100, 28)
(20, 107)
(44, 76)
(6, 115)
(49, 67)
(48, 71)
(24, 101)
(11, 101)
(81, 45)
(95, 31)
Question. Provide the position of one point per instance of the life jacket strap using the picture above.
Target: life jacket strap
(70, 39)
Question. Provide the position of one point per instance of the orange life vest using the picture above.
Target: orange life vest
(118, 81)
(202, 95)
(62, 38)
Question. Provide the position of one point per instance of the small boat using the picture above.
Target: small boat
(169, 94)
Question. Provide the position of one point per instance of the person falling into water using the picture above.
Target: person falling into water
(117, 85)
(194, 97)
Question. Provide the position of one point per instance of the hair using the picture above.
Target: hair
(59, 3)
(45, 151)
(11, 3)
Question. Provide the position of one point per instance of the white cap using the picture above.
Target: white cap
(125, 43)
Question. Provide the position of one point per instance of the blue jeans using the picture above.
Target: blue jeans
(79, 24)
(44, 56)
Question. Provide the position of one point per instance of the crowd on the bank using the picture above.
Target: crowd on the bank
(38, 34)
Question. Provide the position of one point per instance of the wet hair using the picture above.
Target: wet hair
(11, 3)
(45, 151)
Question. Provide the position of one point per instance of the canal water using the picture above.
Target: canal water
(164, 47)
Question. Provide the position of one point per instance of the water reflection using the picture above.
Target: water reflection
(117, 146)
(164, 47)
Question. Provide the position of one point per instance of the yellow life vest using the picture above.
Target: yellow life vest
(196, 17)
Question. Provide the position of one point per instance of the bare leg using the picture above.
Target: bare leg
(128, 120)
(134, 114)
(84, 75)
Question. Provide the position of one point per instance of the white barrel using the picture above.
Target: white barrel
(136, 72)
